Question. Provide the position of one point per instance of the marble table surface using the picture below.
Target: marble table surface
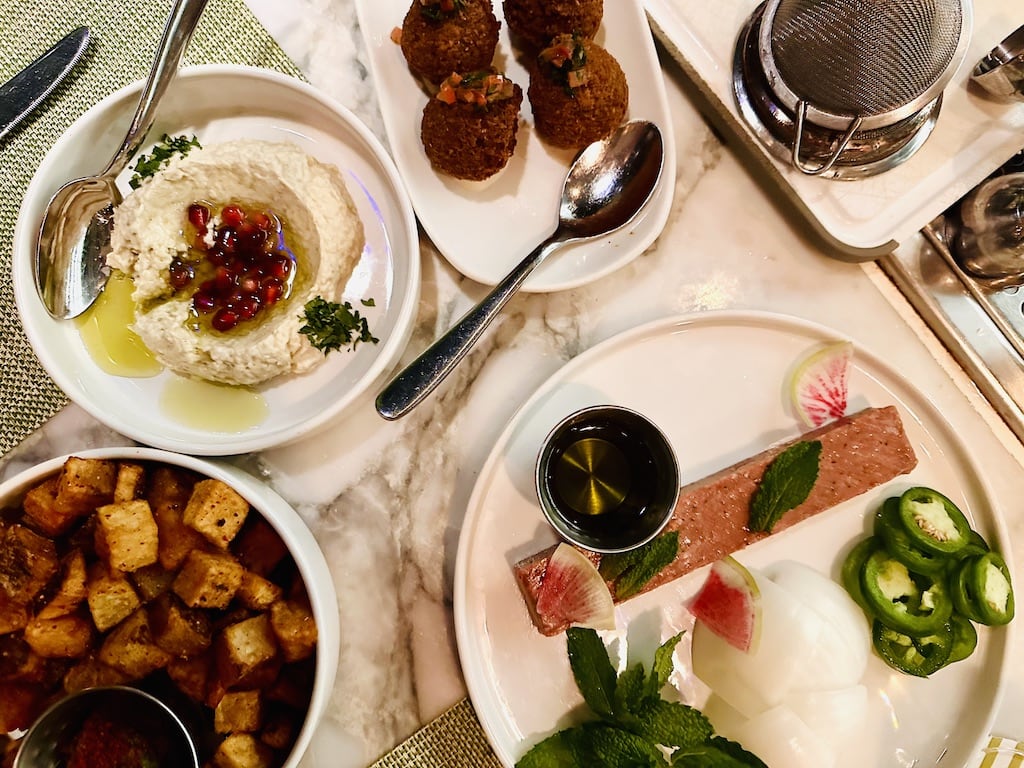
(386, 500)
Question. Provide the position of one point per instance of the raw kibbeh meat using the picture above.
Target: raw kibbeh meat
(532, 23)
(858, 452)
(469, 129)
(578, 93)
(436, 42)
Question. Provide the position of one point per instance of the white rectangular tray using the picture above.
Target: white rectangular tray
(863, 218)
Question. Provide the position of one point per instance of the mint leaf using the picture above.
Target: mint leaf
(611, 747)
(716, 753)
(554, 752)
(630, 693)
(649, 561)
(662, 667)
(673, 724)
(592, 669)
(786, 484)
(614, 565)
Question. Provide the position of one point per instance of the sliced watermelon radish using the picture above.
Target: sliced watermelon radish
(729, 604)
(818, 385)
(573, 592)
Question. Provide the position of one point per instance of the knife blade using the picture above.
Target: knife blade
(27, 89)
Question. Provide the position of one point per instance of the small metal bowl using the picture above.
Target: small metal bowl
(607, 479)
(47, 742)
(1001, 70)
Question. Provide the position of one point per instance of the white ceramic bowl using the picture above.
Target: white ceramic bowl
(289, 526)
(220, 103)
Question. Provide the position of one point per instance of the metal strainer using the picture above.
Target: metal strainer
(850, 65)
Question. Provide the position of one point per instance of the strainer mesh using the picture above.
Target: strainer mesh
(863, 57)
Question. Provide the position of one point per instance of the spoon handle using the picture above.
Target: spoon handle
(177, 32)
(406, 390)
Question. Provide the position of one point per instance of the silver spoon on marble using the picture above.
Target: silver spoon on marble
(75, 231)
(606, 186)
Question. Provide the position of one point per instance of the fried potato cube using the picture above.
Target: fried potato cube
(41, 513)
(151, 581)
(20, 704)
(127, 535)
(91, 673)
(13, 616)
(27, 562)
(256, 592)
(72, 590)
(294, 685)
(130, 482)
(242, 750)
(111, 597)
(279, 727)
(20, 664)
(179, 630)
(238, 712)
(208, 579)
(217, 511)
(85, 484)
(168, 494)
(259, 547)
(64, 637)
(130, 648)
(191, 675)
(294, 629)
(245, 646)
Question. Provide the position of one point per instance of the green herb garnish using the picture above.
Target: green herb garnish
(330, 325)
(635, 726)
(630, 571)
(439, 10)
(786, 484)
(147, 165)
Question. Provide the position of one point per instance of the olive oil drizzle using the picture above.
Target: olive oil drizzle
(592, 476)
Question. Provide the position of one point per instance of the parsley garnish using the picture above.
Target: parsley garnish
(786, 484)
(330, 325)
(635, 726)
(163, 151)
(632, 569)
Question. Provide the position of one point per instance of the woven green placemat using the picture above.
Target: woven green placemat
(454, 739)
(124, 37)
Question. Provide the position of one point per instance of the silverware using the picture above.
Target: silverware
(75, 234)
(30, 87)
(607, 185)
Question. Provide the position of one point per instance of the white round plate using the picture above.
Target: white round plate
(715, 383)
(221, 103)
(485, 228)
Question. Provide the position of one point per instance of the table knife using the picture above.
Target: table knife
(27, 89)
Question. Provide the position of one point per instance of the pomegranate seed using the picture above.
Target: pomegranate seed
(226, 240)
(224, 320)
(248, 307)
(245, 228)
(272, 290)
(250, 283)
(198, 216)
(232, 215)
(260, 220)
(181, 274)
(281, 267)
(203, 303)
(225, 281)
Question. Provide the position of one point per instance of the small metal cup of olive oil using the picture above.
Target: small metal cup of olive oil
(607, 479)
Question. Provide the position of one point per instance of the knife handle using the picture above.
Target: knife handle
(177, 33)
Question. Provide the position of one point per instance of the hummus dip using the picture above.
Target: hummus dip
(320, 225)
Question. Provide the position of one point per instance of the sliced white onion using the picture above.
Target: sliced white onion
(783, 740)
(836, 716)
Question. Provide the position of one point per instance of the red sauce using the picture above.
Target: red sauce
(104, 743)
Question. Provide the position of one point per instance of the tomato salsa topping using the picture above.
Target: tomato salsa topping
(566, 61)
(438, 9)
(102, 742)
(238, 265)
(480, 88)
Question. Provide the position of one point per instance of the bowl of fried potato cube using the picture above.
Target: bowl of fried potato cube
(184, 577)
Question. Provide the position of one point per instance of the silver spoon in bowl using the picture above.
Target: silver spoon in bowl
(607, 184)
(75, 231)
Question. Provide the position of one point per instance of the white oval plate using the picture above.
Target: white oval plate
(220, 103)
(485, 228)
(714, 382)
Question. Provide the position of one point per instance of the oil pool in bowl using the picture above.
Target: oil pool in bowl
(607, 478)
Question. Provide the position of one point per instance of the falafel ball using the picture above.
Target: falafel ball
(469, 128)
(444, 36)
(578, 92)
(532, 23)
